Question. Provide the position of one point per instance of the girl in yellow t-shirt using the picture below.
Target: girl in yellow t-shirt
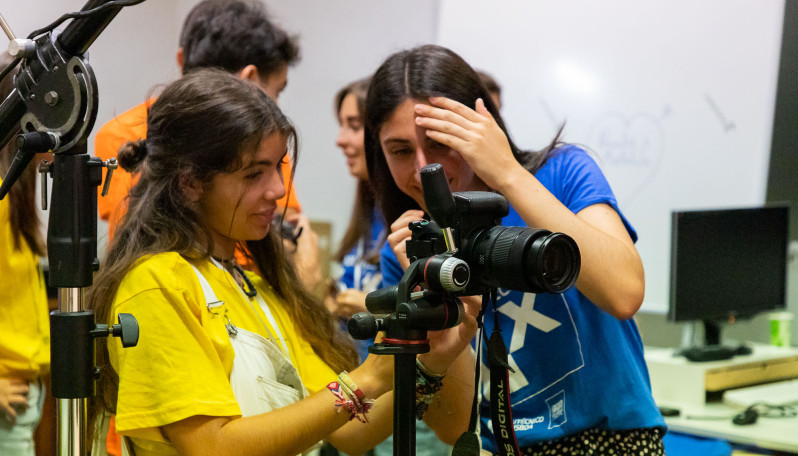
(24, 324)
(227, 362)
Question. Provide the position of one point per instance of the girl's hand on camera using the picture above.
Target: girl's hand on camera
(400, 233)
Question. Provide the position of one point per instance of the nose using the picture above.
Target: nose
(421, 160)
(275, 186)
(340, 141)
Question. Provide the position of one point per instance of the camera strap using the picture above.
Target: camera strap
(500, 408)
(468, 443)
(501, 414)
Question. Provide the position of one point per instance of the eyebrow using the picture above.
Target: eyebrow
(397, 141)
(266, 163)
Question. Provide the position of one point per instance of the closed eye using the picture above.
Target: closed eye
(253, 175)
(400, 152)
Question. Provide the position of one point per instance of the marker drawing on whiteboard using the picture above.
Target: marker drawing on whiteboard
(727, 125)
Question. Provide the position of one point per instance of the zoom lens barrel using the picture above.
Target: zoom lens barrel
(522, 259)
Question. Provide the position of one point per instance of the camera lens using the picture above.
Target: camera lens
(558, 262)
(522, 259)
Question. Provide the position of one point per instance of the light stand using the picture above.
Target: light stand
(55, 102)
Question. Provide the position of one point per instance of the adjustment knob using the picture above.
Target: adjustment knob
(446, 273)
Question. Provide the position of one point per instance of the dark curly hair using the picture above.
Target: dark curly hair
(231, 34)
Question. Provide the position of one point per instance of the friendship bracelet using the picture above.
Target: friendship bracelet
(347, 399)
(427, 385)
(427, 372)
(343, 378)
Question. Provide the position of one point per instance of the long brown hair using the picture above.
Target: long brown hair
(22, 195)
(363, 210)
(206, 123)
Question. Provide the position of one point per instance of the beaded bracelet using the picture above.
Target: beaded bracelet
(427, 385)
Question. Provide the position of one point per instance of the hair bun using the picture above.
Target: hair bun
(131, 154)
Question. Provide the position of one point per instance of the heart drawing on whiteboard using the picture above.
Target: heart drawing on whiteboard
(630, 150)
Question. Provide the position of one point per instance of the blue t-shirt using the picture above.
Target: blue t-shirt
(576, 366)
(358, 273)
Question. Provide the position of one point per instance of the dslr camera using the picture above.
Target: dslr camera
(465, 251)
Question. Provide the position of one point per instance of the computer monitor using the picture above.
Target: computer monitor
(727, 264)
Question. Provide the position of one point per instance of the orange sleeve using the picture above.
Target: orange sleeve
(290, 196)
(128, 126)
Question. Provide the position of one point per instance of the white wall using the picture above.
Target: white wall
(675, 98)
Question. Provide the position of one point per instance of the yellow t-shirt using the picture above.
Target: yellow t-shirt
(182, 363)
(24, 319)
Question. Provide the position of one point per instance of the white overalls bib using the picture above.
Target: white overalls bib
(263, 378)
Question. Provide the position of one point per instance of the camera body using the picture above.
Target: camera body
(517, 258)
(463, 251)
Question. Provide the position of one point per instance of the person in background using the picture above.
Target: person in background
(24, 320)
(239, 37)
(579, 383)
(359, 251)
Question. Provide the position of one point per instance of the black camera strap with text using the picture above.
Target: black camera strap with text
(500, 405)
(468, 442)
(501, 414)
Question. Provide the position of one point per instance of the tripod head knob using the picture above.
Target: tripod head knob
(127, 330)
(363, 326)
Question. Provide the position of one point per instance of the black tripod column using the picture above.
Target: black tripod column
(72, 228)
(404, 410)
(72, 252)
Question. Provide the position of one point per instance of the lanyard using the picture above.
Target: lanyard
(261, 302)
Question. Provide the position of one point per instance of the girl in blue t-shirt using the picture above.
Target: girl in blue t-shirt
(580, 383)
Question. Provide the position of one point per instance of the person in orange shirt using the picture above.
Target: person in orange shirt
(264, 60)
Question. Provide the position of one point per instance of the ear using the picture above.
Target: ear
(180, 58)
(249, 72)
(191, 188)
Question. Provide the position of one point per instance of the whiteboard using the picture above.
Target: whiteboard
(674, 99)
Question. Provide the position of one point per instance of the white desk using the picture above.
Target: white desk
(769, 433)
(683, 385)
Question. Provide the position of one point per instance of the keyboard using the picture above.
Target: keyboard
(704, 353)
(784, 392)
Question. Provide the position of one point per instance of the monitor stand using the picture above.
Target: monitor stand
(712, 350)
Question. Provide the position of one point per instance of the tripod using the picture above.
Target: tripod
(55, 102)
